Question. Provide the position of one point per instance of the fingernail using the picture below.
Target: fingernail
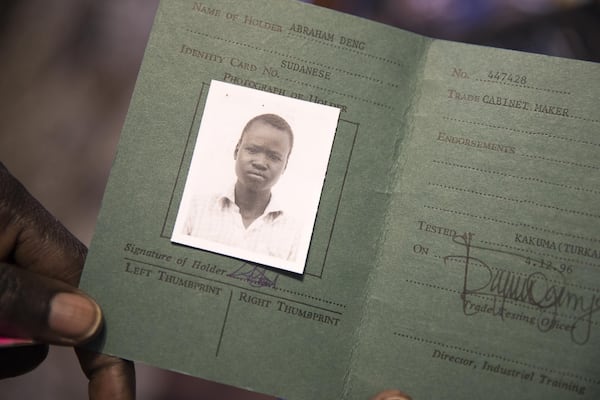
(394, 396)
(74, 316)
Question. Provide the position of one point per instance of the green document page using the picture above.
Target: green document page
(455, 252)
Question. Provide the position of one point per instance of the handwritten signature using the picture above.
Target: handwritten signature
(255, 275)
(548, 294)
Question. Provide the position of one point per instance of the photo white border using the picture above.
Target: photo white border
(228, 108)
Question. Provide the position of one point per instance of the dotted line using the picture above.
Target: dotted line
(484, 297)
(541, 254)
(285, 55)
(566, 210)
(522, 86)
(523, 131)
(515, 224)
(473, 191)
(524, 275)
(512, 301)
(520, 201)
(245, 280)
(432, 286)
(471, 215)
(303, 60)
(492, 355)
(340, 93)
(559, 161)
(527, 307)
(536, 228)
(238, 43)
(311, 297)
(525, 178)
(327, 43)
(356, 75)
(516, 303)
(585, 119)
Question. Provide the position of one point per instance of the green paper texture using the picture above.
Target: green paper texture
(456, 248)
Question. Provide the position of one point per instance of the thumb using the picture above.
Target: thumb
(391, 395)
(44, 309)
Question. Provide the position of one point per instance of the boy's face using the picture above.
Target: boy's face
(261, 156)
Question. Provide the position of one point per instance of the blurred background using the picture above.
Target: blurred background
(67, 70)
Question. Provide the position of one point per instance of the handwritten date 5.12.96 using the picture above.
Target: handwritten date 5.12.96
(507, 77)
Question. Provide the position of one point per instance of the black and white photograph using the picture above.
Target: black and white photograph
(256, 176)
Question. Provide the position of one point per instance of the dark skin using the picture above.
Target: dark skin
(260, 159)
(391, 395)
(40, 267)
(40, 261)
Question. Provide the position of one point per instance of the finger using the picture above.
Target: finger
(391, 395)
(19, 360)
(32, 238)
(110, 378)
(44, 309)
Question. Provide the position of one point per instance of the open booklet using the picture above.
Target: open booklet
(455, 251)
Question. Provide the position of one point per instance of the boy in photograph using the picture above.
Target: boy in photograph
(248, 215)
